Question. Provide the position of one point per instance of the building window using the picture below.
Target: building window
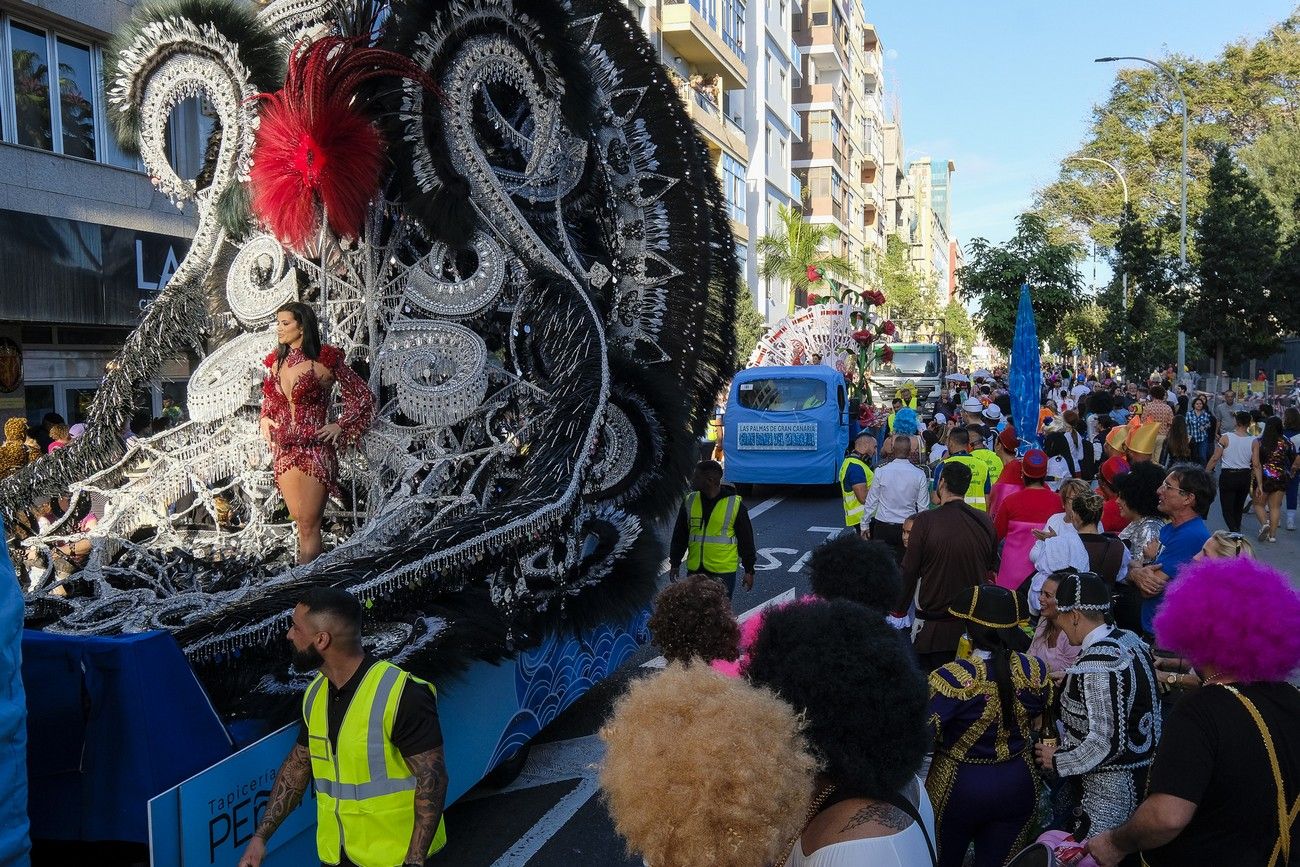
(733, 185)
(819, 126)
(708, 9)
(76, 99)
(31, 91)
(742, 261)
(733, 26)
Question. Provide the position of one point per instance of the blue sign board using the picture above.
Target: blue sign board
(776, 436)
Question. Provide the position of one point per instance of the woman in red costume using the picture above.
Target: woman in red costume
(295, 402)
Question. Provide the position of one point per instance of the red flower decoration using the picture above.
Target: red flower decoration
(887, 354)
(875, 296)
(887, 327)
(864, 337)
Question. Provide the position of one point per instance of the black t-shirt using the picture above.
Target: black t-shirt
(1213, 755)
(415, 727)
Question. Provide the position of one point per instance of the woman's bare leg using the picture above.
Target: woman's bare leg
(1275, 511)
(305, 497)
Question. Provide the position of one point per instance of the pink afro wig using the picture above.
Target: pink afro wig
(1238, 615)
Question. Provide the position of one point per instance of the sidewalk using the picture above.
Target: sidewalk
(1284, 554)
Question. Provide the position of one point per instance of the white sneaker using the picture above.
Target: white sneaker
(1290, 522)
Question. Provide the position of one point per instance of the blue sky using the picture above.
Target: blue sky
(1005, 88)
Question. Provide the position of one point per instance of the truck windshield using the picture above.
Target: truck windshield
(916, 362)
(786, 394)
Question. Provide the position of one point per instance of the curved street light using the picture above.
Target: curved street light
(1182, 226)
(1123, 182)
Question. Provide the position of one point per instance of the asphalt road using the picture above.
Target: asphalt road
(552, 815)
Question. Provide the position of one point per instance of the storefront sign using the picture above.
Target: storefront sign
(71, 272)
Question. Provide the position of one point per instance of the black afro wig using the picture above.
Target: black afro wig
(856, 680)
(850, 567)
(1138, 487)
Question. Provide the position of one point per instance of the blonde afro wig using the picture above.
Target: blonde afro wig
(705, 769)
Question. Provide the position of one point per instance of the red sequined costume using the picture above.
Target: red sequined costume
(293, 440)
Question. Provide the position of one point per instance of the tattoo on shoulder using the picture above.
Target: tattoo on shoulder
(885, 815)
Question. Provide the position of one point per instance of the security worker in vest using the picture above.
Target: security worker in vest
(855, 479)
(977, 494)
(371, 741)
(978, 436)
(713, 531)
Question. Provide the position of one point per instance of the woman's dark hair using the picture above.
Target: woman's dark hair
(692, 619)
(1201, 401)
(856, 680)
(306, 317)
(1180, 442)
(1137, 488)
(1291, 419)
(1269, 437)
(1003, 402)
(850, 567)
(1000, 644)
(1100, 403)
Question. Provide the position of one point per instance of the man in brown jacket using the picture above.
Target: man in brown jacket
(951, 547)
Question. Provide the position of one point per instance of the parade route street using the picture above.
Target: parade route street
(552, 815)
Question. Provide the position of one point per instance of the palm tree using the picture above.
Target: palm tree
(788, 255)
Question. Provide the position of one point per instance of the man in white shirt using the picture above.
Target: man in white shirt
(1080, 390)
(899, 490)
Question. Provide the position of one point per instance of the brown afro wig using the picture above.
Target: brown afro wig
(705, 769)
(692, 619)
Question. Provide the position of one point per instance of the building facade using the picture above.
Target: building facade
(86, 240)
(929, 235)
(839, 159)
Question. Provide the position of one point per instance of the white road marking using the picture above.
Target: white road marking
(799, 564)
(831, 532)
(577, 758)
(769, 561)
(764, 506)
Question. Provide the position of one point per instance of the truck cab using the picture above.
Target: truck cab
(923, 365)
(786, 426)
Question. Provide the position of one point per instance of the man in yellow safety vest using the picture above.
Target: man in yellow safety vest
(855, 479)
(713, 532)
(959, 452)
(379, 770)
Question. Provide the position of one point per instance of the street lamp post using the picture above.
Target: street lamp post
(1182, 224)
(1124, 183)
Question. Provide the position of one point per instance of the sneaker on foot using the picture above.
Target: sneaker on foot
(1263, 533)
(1272, 538)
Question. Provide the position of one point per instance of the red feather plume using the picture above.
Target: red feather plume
(315, 147)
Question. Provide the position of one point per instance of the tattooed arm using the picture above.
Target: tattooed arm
(290, 784)
(430, 772)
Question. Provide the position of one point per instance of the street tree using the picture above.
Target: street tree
(798, 246)
(908, 295)
(994, 273)
(1137, 349)
(959, 328)
(1235, 312)
(1245, 97)
(750, 326)
(1271, 161)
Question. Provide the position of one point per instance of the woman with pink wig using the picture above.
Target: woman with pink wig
(1225, 784)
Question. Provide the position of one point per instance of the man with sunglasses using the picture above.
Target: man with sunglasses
(1184, 497)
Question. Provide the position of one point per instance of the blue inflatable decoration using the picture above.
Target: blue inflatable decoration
(1026, 373)
(14, 846)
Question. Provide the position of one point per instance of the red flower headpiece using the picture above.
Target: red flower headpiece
(315, 146)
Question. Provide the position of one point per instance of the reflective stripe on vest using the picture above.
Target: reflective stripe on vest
(712, 548)
(372, 814)
(979, 473)
(852, 508)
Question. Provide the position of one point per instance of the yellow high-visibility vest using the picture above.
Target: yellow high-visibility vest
(852, 508)
(712, 548)
(979, 473)
(365, 792)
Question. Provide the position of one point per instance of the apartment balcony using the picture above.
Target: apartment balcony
(822, 150)
(827, 206)
(824, 45)
(691, 37)
(869, 168)
(719, 131)
(835, 95)
(796, 188)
